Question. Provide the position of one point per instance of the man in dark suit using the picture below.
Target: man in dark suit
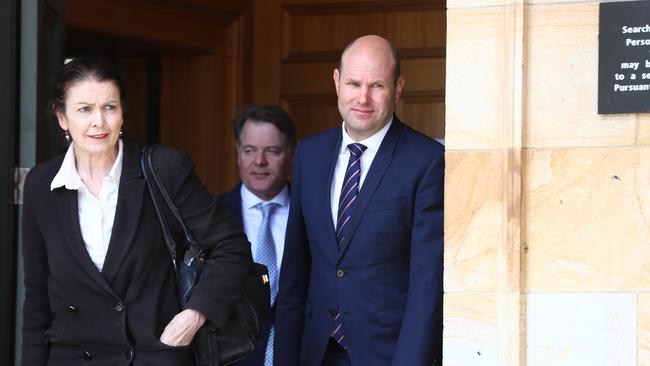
(265, 141)
(363, 262)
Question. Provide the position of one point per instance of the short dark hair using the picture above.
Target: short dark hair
(394, 53)
(272, 114)
(80, 68)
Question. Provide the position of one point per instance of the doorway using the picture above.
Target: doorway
(190, 64)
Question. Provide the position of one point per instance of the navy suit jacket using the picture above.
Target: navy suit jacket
(231, 202)
(386, 279)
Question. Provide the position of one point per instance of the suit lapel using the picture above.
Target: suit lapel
(375, 173)
(326, 188)
(236, 208)
(68, 213)
(127, 213)
(231, 202)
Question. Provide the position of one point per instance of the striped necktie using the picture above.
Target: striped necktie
(347, 200)
(265, 254)
(349, 191)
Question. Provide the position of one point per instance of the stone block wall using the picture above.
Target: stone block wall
(547, 203)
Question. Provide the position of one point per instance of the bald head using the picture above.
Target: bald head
(368, 85)
(376, 46)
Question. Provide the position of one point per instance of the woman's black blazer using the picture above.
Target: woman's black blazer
(74, 313)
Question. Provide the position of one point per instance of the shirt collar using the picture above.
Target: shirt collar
(250, 200)
(69, 177)
(373, 142)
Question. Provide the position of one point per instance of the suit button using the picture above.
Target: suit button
(72, 308)
(340, 273)
(87, 356)
(129, 354)
(119, 307)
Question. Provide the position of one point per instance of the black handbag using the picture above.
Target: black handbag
(212, 346)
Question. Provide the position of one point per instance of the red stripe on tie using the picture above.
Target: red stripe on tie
(353, 188)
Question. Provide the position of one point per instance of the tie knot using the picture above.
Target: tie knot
(356, 149)
(267, 208)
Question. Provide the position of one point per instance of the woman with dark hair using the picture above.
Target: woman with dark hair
(99, 282)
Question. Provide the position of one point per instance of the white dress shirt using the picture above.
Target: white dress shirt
(252, 217)
(96, 213)
(372, 143)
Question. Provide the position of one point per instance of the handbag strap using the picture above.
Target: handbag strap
(155, 184)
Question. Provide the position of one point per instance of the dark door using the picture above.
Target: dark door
(51, 47)
(34, 138)
(8, 119)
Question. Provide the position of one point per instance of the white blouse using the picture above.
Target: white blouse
(96, 213)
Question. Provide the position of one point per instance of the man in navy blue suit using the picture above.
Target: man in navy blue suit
(265, 142)
(363, 262)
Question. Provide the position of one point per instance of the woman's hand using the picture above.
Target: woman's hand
(181, 330)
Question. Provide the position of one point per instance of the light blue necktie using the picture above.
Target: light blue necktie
(265, 254)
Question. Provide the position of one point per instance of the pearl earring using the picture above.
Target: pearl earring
(68, 139)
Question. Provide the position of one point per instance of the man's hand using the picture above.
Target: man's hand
(181, 330)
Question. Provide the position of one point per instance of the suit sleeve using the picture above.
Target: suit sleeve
(294, 280)
(36, 308)
(420, 338)
(223, 277)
